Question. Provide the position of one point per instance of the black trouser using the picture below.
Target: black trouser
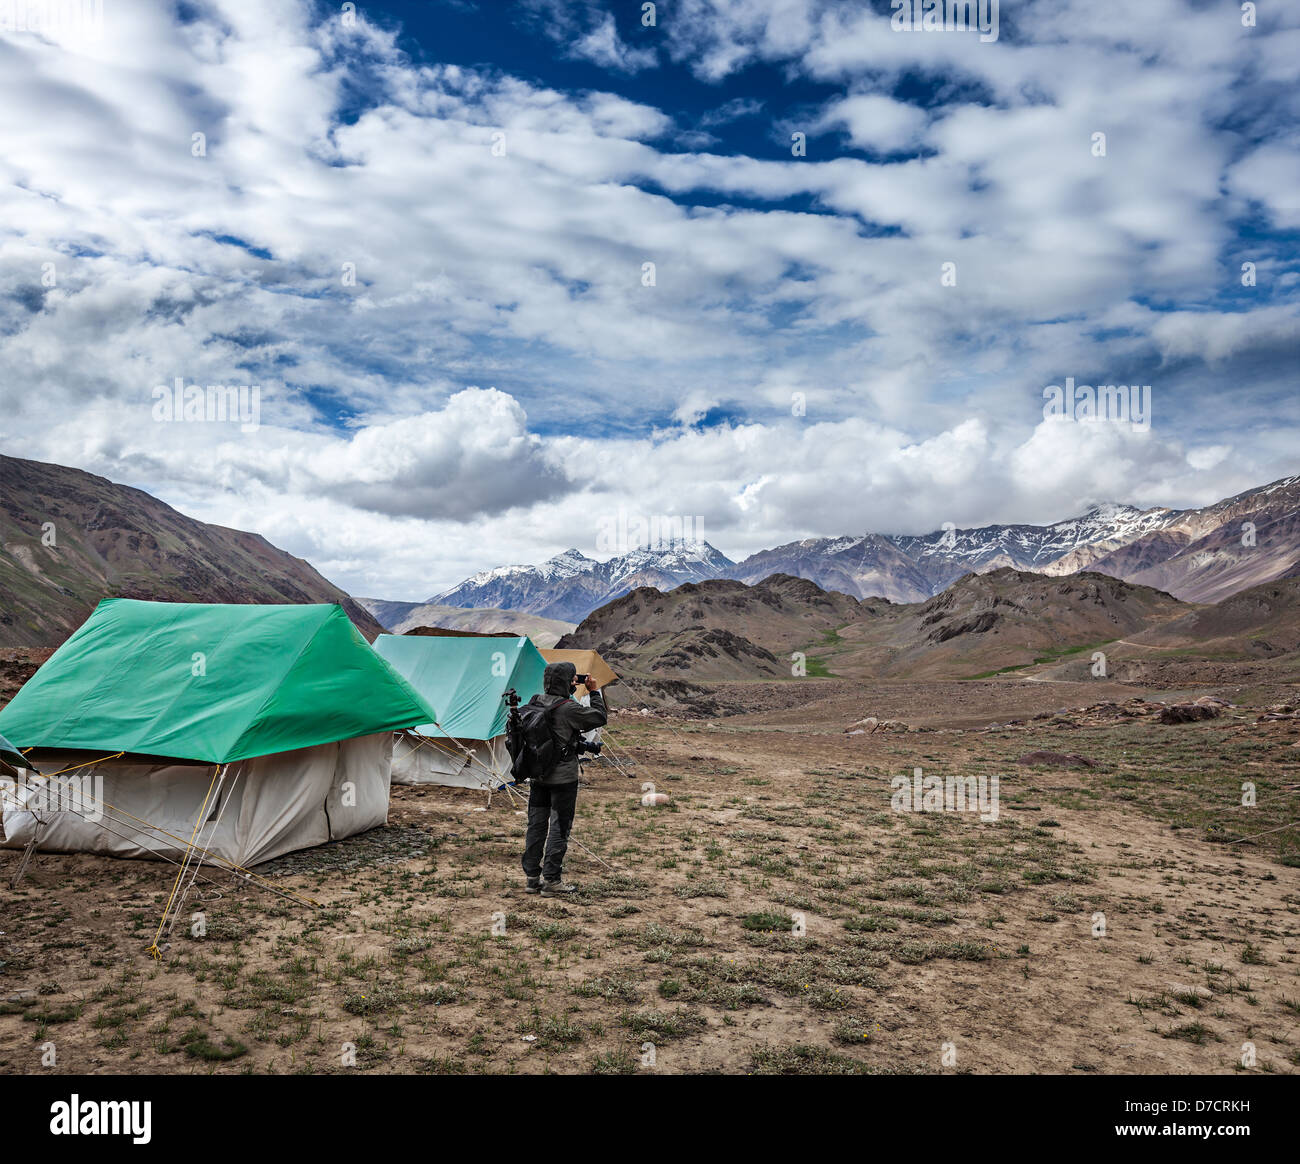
(550, 817)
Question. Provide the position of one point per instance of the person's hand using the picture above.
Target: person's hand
(592, 685)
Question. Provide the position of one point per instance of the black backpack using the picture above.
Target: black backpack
(531, 741)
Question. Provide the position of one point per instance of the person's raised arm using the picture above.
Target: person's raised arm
(587, 718)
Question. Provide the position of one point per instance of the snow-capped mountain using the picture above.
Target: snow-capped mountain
(566, 565)
(1194, 554)
(1101, 528)
(1205, 555)
(912, 568)
(692, 560)
(570, 585)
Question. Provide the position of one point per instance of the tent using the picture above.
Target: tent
(465, 678)
(587, 663)
(254, 730)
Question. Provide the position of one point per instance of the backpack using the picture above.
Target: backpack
(531, 741)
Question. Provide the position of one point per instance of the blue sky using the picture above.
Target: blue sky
(421, 231)
(535, 42)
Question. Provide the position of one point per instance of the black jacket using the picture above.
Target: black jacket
(570, 719)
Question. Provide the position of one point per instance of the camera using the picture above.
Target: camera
(592, 746)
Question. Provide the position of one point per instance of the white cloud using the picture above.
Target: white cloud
(585, 32)
(1270, 175)
(522, 269)
(875, 122)
(603, 46)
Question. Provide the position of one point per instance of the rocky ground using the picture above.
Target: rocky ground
(1126, 914)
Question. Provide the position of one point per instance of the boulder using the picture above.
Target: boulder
(1055, 760)
(1187, 713)
(867, 724)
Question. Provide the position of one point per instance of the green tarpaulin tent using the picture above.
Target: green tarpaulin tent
(210, 683)
(465, 679)
(289, 701)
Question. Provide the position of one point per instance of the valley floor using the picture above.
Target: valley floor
(1112, 920)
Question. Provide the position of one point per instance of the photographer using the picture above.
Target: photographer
(553, 796)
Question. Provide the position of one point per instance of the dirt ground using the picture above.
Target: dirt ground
(17, 665)
(776, 916)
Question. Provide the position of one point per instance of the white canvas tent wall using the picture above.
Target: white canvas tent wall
(458, 763)
(268, 805)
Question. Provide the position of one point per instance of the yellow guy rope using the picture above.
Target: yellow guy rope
(180, 873)
(87, 764)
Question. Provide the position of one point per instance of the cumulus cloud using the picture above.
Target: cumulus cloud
(875, 122)
(1270, 176)
(365, 236)
(473, 458)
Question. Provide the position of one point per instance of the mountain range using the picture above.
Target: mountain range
(1004, 620)
(402, 617)
(1198, 555)
(571, 585)
(69, 538)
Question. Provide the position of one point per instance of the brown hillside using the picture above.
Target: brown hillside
(1263, 621)
(1206, 554)
(1004, 619)
(69, 539)
(717, 629)
(983, 623)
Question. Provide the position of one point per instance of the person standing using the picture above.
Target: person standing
(553, 797)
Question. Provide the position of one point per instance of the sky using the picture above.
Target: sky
(501, 271)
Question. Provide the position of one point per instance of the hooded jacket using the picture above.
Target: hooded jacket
(570, 719)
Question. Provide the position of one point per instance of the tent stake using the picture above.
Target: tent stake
(27, 854)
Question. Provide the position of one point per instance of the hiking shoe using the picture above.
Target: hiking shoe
(533, 885)
(552, 888)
